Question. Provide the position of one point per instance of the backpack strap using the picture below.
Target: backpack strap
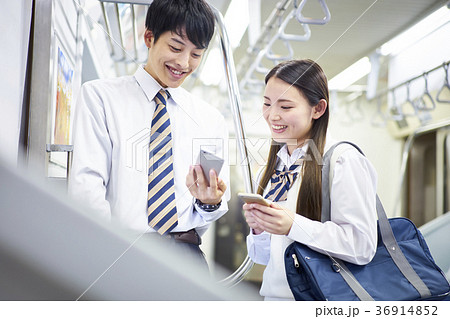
(329, 160)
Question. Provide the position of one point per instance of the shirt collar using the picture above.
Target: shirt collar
(287, 160)
(150, 86)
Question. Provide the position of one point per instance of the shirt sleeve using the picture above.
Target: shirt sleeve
(91, 163)
(258, 247)
(351, 235)
(209, 217)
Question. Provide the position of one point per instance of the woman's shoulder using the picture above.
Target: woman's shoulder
(348, 158)
(343, 150)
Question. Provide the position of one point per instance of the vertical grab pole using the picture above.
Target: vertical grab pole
(235, 101)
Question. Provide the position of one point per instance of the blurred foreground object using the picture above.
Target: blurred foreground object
(51, 250)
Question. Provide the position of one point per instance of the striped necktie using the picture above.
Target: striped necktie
(281, 182)
(162, 211)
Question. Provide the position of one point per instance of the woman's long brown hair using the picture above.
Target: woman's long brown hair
(309, 78)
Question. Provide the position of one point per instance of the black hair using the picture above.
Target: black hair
(306, 75)
(174, 15)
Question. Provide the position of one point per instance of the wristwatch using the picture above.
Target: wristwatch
(207, 207)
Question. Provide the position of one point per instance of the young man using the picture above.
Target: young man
(136, 138)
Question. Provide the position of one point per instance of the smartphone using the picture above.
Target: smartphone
(253, 198)
(209, 161)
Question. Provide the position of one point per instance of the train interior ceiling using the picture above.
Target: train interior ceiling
(386, 61)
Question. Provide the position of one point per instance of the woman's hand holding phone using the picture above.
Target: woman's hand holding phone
(273, 219)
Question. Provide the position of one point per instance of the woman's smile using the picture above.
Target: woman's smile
(279, 128)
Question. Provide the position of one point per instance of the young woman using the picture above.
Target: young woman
(296, 110)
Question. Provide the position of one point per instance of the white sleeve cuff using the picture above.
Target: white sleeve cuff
(214, 215)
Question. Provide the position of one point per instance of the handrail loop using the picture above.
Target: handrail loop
(395, 110)
(420, 101)
(446, 84)
(379, 118)
(263, 49)
(300, 18)
(293, 37)
(286, 38)
(409, 101)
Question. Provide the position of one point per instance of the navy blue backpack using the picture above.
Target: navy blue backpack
(402, 269)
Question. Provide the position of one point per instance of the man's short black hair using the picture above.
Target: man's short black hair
(174, 15)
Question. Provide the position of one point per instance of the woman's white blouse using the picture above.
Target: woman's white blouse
(351, 235)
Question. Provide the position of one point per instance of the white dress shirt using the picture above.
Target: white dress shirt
(111, 138)
(351, 235)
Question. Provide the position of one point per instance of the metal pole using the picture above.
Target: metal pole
(134, 26)
(119, 25)
(235, 101)
(108, 27)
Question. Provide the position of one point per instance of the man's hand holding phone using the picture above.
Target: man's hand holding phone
(203, 181)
